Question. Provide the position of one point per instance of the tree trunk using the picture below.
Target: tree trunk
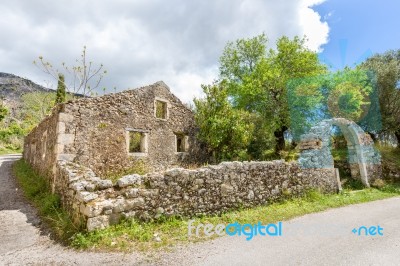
(373, 136)
(397, 134)
(280, 139)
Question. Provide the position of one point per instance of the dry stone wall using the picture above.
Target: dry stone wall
(41, 146)
(207, 190)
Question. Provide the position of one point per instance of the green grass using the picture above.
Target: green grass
(36, 189)
(339, 154)
(4, 151)
(135, 235)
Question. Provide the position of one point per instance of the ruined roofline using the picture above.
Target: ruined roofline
(128, 91)
(59, 107)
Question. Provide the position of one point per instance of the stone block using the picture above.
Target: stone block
(85, 196)
(130, 180)
(60, 127)
(226, 189)
(99, 222)
(66, 157)
(135, 203)
(63, 117)
(65, 139)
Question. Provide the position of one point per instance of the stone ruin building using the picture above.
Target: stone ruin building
(85, 142)
(112, 133)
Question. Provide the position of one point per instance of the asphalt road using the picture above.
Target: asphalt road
(324, 238)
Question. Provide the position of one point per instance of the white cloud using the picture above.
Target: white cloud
(141, 42)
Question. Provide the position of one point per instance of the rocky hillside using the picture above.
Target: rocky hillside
(13, 87)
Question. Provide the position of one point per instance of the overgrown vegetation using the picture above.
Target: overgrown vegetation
(139, 167)
(248, 102)
(15, 125)
(390, 155)
(261, 96)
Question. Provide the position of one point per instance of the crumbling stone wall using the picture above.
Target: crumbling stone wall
(99, 127)
(364, 159)
(93, 132)
(40, 146)
(207, 190)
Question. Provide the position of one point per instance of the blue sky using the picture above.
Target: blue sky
(358, 29)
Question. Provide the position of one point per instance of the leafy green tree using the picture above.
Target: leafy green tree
(36, 106)
(227, 131)
(347, 93)
(3, 112)
(257, 79)
(386, 67)
(61, 93)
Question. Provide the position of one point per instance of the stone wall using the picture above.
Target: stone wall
(207, 190)
(41, 146)
(391, 171)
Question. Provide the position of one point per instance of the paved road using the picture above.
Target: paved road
(318, 239)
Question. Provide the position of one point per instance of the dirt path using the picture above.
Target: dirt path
(24, 242)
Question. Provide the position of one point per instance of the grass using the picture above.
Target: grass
(4, 151)
(36, 189)
(135, 235)
(339, 154)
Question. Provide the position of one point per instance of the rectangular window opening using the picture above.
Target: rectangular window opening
(137, 142)
(181, 143)
(161, 109)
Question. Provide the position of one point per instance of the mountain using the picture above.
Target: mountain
(13, 87)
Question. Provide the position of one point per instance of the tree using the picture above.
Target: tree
(3, 111)
(60, 94)
(36, 106)
(226, 131)
(348, 93)
(386, 67)
(257, 79)
(84, 78)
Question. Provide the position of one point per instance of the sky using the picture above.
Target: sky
(358, 29)
(180, 42)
